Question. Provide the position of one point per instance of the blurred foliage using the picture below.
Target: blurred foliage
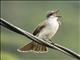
(26, 15)
(8, 56)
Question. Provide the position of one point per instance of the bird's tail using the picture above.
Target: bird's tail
(34, 47)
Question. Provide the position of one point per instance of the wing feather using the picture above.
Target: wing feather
(39, 28)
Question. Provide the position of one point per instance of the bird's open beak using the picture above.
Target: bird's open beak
(56, 12)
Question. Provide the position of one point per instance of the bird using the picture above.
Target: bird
(45, 30)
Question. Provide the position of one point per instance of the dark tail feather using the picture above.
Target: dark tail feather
(33, 46)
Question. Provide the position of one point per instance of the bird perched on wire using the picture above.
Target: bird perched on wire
(46, 30)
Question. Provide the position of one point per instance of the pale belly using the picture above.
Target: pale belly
(49, 31)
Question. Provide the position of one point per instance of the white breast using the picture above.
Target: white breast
(50, 29)
(54, 25)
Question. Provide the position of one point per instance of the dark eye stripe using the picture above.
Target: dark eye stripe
(49, 15)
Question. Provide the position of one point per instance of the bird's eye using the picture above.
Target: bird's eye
(49, 15)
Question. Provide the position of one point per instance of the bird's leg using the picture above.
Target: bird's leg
(51, 41)
(48, 40)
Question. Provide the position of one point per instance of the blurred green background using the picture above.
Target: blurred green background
(26, 15)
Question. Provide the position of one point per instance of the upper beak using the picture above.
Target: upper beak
(56, 11)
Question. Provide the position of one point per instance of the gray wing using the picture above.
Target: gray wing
(39, 28)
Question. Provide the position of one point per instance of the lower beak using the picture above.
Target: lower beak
(59, 16)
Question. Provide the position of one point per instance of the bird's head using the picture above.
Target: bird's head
(53, 14)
